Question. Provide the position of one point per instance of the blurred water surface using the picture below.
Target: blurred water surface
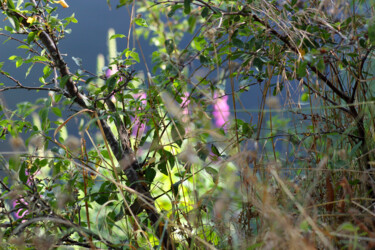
(88, 39)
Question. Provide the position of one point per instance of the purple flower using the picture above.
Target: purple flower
(221, 110)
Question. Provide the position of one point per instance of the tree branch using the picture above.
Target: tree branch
(20, 86)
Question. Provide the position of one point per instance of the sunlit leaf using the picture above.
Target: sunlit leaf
(117, 36)
(141, 22)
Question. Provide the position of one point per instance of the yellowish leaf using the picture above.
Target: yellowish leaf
(302, 53)
(63, 3)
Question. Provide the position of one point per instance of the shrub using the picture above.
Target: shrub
(149, 166)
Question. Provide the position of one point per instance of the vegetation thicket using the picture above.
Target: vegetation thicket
(159, 160)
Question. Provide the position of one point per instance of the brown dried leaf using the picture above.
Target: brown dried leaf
(330, 194)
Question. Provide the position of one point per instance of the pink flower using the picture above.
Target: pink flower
(221, 110)
(110, 72)
(184, 105)
(138, 126)
(17, 214)
(16, 202)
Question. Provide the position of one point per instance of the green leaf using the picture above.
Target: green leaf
(202, 151)
(43, 113)
(19, 3)
(238, 43)
(205, 12)
(247, 130)
(14, 21)
(320, 65)
(204, 60)
(31, 37)
(29, 69)
(217, 11)
(42, 163)
(256, 246)
(187, 8)
(173, 10)
(192, 21)
(19, 62)
(10, 4)
(111, 83)
(362, 42)
(170, 158)
(165, 157)
(23, 46)
(347, 226)
(117, 36)
(122, 3)
(301, 70)
(305, 97)
(169, 46)
(141, 22)
(101, 199)
(9, 29)
(133, 55)
(144, 138)
(199, 43)
(56, 111)
(22, 173)
(64, 80)
(215, 150)
(175, 186)
(70, 19)
(47, 70)
(14, 163)
(178, 133)
(371, 30)
(12, 57)
(40, 58)
(150, 173)
(57, 97)
(120, 215)
(258, 64)
(355, 149)
(162, 166)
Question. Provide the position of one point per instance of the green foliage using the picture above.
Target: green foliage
(157, 158)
